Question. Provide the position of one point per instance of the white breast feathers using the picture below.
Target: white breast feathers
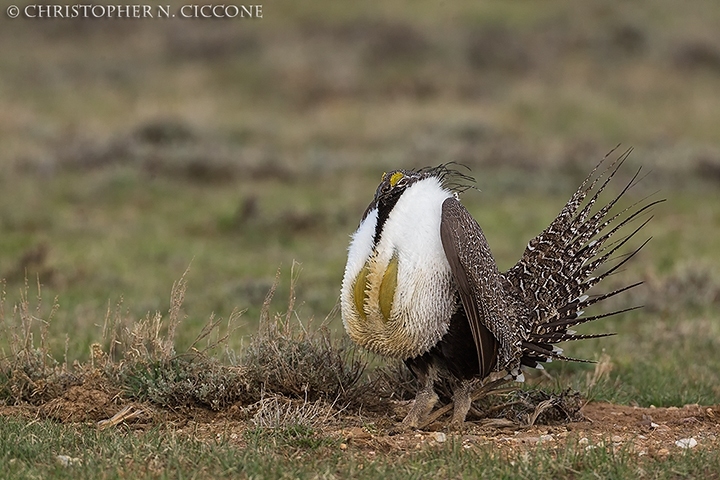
(398, 295)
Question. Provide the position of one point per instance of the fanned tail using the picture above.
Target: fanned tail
(549, 284)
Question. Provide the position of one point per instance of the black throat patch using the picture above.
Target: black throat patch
(385, 205)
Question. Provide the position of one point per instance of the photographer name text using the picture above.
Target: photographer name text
(135, 11)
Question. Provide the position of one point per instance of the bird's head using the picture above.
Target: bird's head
(394, 183)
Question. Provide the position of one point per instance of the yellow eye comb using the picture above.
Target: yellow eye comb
(395, 178)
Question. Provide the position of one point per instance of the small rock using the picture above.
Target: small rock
(343, 446)
(663, 451)
(654, 425)
(686, 443)
(583, 441)
(67, 461)
(616, 439)
(440, 437)
(546, 438)
(646, 420)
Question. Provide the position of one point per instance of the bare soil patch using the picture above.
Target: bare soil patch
(643, 431)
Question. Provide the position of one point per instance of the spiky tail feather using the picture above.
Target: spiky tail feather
(549, 283)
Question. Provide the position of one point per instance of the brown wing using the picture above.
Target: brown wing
(479, 284)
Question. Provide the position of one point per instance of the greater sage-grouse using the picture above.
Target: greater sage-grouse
(421, 285)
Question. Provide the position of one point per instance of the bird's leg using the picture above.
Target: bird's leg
(424, 401)
(462, 399)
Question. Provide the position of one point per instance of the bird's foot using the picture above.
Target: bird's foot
(424, 402)
(462, 401)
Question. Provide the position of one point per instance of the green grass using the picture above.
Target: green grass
(272, 137)
(30, 450)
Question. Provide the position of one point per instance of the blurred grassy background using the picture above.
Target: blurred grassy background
(130, 149)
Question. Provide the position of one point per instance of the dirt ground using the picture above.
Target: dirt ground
(643, 431)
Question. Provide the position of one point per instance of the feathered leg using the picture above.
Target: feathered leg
(425, 400)
(462, 399)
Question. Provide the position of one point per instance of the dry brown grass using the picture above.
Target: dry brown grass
(291, 359)
(284, 359)
(28, 373)
(289, 375)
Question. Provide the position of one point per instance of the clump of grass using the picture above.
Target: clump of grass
(284, 422)
(28, 373)
(182, 382)
(286, 358)
(151, 370)
(277, 412)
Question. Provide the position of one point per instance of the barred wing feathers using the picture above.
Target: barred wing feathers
(480, 287)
